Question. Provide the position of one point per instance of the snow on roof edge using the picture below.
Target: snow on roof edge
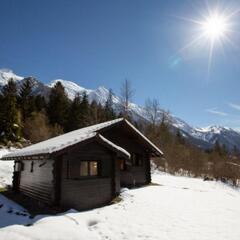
(118, 148)
(145, 138)
(68, 139)
(60, 142)
(19, 153)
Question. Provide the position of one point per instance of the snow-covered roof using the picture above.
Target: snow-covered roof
(146, 139)
(114, 145)
(68, 139)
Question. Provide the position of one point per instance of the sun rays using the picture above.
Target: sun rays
(214, 29)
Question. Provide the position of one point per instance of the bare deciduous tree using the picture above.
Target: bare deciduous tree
(37, 128)
(126, 96)
(152, 108)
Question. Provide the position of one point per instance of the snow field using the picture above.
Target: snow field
(6, 170)
(175, 208)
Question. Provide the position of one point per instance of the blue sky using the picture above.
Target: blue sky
(103, 42)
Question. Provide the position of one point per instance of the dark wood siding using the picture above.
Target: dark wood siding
(133, 175)
(116, 172)
(37, 184)
(85, 193)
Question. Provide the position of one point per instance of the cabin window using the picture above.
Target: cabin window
(84, 169)
(88, 168)
(93, 168)
(32, 164)
(18, 167)
(136, 160)
(122, 165)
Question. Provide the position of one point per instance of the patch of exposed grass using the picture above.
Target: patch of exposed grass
(2, 189)
(154, 184)
(116, 200)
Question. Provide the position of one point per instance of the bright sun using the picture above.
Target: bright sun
(215, 27)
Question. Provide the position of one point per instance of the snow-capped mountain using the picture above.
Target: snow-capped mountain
(100, 94)
(6, 74)
(71, 88)
(202, 137)
(223, 135)
(38, 87)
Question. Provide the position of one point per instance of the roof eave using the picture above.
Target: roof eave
(152, 146)
(119, 150)
(27, 157)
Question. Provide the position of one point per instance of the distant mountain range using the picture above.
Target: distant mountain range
(201, 137)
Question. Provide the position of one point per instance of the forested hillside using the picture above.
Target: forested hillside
(26, 118)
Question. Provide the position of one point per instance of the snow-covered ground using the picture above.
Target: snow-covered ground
(6, 170)
(178, 209)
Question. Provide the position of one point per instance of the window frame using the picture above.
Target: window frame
(32, 167)
(137, 160)
(18, 166)
(89, 175)
(123, 165)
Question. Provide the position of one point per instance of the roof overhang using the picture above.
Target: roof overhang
(151, 147)
(119, 150)
(58, 145)
(39, 156)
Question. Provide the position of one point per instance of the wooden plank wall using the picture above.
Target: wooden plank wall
(86, 193)
(39, 183)
(134, 175)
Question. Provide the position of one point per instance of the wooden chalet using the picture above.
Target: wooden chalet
(84, 168)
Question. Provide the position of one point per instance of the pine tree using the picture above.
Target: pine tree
(58, 106)
(84, 111)
(40, 103)
(108, 108)
(26, 99)
(10, 117)
(74, 118)
(94, 112)
(1, 114)
(101, 113)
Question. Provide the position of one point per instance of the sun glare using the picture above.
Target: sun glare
(215, 27)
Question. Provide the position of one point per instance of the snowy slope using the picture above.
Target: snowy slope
(202, 137)
(178, 208)
(71, 88)
(222, 134)
(6, 74)
(99, 95)
(6, 170)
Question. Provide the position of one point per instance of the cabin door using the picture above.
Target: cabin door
(17, 176)
(16, 181)
(58, 180)
(118, 174)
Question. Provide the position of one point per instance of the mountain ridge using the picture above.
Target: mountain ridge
(204, 137)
